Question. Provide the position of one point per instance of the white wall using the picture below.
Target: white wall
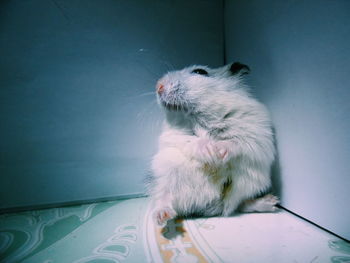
(300, 59)
(74, 123)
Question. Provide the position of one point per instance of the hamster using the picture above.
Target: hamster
(216, 147)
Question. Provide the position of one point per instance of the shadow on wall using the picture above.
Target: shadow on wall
(247, 42)
(276, 171)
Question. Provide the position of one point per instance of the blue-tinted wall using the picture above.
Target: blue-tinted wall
(76, 123)
(78, 120)
(300, 59)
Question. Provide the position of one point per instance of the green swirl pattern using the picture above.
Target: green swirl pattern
(123, 231)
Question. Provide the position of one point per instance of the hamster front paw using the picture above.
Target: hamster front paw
(213, 152)
(163, 215)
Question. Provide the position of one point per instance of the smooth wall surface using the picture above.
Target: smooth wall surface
(300, 59)
(79, 118)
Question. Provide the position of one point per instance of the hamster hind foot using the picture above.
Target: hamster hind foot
(163, 215)
(267, 203)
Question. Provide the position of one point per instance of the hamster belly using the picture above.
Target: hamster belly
(196, 194)
(193, 187)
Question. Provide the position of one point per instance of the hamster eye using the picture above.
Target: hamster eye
(200, 71)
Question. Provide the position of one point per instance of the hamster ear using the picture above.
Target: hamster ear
(240, 69)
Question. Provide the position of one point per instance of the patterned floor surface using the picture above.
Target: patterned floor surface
(122, 231)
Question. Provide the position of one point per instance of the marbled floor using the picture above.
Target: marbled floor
(122, 231)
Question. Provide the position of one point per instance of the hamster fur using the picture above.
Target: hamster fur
(216, 147)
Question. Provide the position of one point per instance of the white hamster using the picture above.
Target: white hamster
(216, 147)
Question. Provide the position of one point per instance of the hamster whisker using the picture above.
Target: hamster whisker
(152, 73)
(144, 94)
(149, 118)
(146, 110)
(168, 65)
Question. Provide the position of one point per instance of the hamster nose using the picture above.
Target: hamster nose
(160, 88)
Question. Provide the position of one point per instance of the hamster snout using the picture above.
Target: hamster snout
(160, 88)
(168, 86)
(169, 92)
